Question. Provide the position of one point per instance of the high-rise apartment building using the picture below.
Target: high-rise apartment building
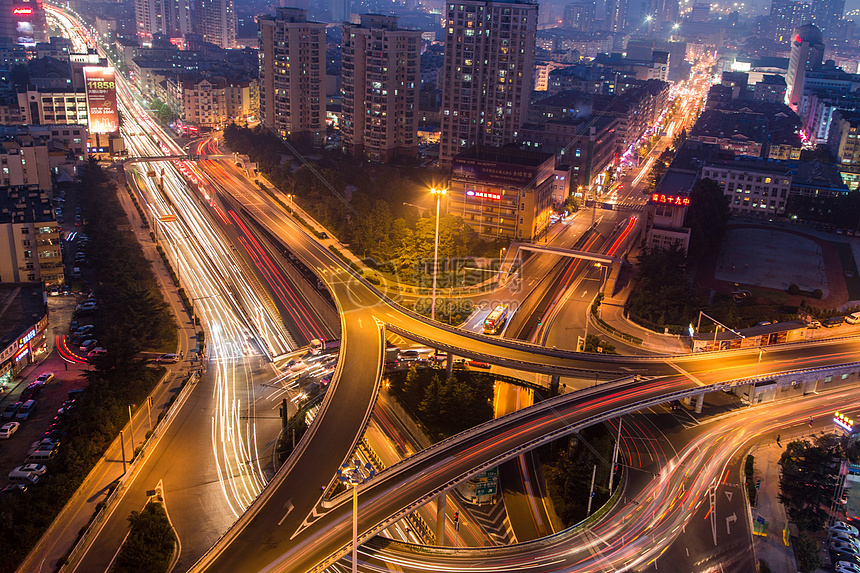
(616, 15)
(216, 21)
(381, 75)
(579, 15)
(169, 17)
(292, 75)
(826, 14)
(807, 53)
(786, 15)
(489, 62)
(701, 12)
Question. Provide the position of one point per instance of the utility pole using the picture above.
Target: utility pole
(591, 495)
(615, 455)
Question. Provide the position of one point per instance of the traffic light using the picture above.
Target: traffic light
(757, 483)
(456, 516)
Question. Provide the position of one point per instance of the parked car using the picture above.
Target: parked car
(845, 538)
(169, 358)
(10, 410)
(7, 429)
(846, 567)
(814, 324)
(85, 329)
(845, 547)
(88, 345)
(26, 410)
(834, 321)
(96, 352)
(54, 291)
(45, 377)
(37, 469)
(14, 487)
(853, 318)
(31, 391)
(478, 364)
(842, 526)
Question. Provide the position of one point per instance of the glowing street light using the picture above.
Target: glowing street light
(438, 193)
(354, 474)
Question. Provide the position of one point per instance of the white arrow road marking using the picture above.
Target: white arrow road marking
(313, 516)
(729, 520)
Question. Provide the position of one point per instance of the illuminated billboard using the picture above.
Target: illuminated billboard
(101, 99)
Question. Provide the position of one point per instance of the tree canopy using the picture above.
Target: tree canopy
(808, 479)
(707, 218)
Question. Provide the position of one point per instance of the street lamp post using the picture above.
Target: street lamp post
(438, 193)
(354, 474)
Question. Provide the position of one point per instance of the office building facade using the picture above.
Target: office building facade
(807, 53)
(489, 62)
(381, 79)
(293, 75)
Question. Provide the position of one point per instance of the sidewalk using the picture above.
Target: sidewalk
(75, 515)
(770, 548)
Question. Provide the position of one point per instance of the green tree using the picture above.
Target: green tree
(808, 480)
(808, 553)
(707, 217)
(150, 542)
(430, 408)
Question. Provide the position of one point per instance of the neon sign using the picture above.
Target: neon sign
(678, 200)
(484, 195)
(21, 353)
(22, 10)
(844, 422)
(27, 337)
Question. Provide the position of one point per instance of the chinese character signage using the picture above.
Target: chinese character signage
(484, 195)
(679, 200)
(504, 173)
(101, 99)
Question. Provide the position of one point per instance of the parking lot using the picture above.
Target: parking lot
(15, 449)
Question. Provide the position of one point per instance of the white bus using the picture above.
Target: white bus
(496, 319)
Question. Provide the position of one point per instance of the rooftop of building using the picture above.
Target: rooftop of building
(772, 167)
(509, 155)
(565, 99)
(49, 67)
(22, 305)
(818, 174)
(24, 206)
(773, 79)
(851, 116)
(676, 182)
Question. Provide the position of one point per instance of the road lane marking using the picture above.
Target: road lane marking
(687, 374)
(289, 507)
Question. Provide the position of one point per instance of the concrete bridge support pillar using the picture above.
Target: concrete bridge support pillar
(700, 400)
(449, 366)
(441, 503)
(553, 385)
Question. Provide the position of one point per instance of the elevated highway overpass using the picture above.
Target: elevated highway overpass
(288, 528)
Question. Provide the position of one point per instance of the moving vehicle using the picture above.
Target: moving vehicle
(478, 364)
(496, 319)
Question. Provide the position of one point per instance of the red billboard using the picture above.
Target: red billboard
(101, 99)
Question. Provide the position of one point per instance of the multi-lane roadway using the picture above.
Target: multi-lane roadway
(289, 526)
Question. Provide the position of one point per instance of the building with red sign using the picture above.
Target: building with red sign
(23, 21)
(23, 334)
(503, 192)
